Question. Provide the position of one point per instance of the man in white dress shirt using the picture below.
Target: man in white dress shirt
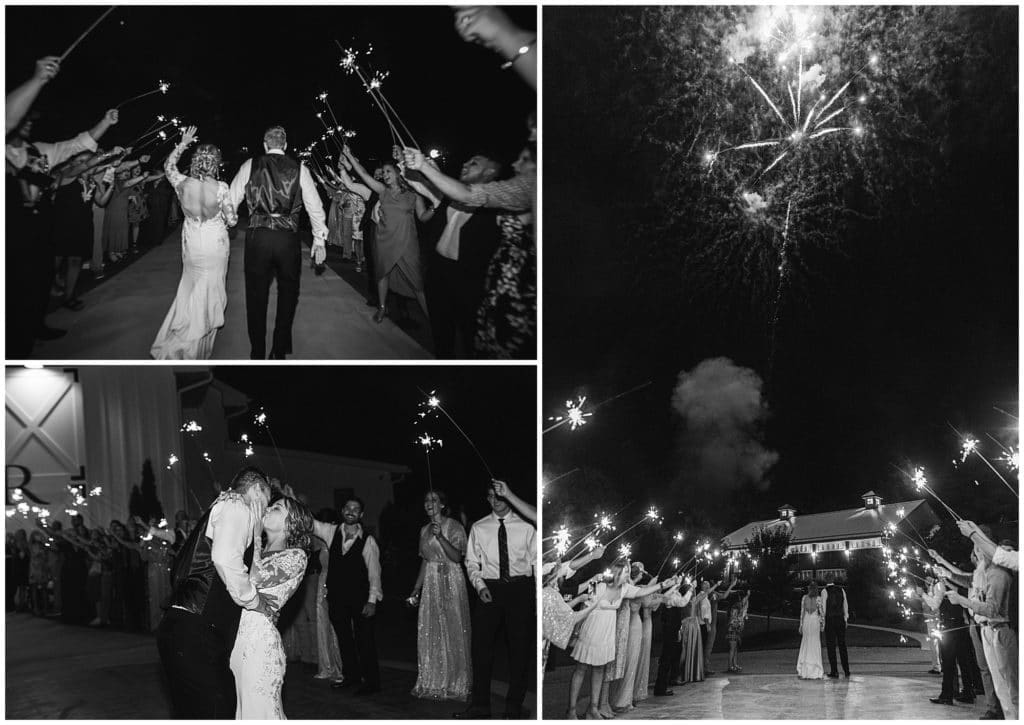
(500, 556)
(210, 587)
(353, 590)
(276, 188)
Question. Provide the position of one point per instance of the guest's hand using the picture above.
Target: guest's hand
(435, 529)
(347, 152)
(942, 572)
(933, 554)
(967, 527)
(145, 158)
(188, 136)
(955, 598)
(500, 488)
(483, 24)
(414, 159)
(319, 251)
(369, 609)
(485, 596)
(108, 175)
(47, 68)
(111, 116)
(598, 552)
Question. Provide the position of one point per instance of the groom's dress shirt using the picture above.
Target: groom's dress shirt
(371, 553)
(483, 560)
(230, 529)
(310, 197)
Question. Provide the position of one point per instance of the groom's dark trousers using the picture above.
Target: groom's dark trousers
(196, 658)
(271, 254)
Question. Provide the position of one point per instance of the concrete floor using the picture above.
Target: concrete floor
(57, 671)
(887, 683)
(122, 315)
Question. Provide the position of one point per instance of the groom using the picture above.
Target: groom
(210, 586)
(275, 187)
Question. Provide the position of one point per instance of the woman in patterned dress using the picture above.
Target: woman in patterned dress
(258, 660)
(443, 628)
(507, 318)
(737, 620)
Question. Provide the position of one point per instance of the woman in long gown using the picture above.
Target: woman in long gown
(648, 606)
(190, 327)
(258, 660)
(737, 621)
(443, 627)
(397, 248)
(328, 654)
(691, 667)
(812, 622)
(622, 691)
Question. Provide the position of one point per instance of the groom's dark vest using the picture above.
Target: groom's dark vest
(198, 588)
(834, 604)
(348, 579)
(273, 193)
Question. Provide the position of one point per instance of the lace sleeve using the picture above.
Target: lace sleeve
(282, 568)
(174, 176)
(229, 212)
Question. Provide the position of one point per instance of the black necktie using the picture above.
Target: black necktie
(503, 571)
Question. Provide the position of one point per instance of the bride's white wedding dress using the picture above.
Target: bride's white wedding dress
(190, 327)
(258, 660)
(808, 664)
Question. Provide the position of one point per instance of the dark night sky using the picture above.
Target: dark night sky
(369, 412)
(236, 70)
(911, 329)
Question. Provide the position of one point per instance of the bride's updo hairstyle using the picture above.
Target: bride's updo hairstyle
(205, 162)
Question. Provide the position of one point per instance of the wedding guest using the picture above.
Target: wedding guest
(328, 654)
(1003, 556)
(558, 616)
(443, 624)
(353, 590)
(709, 613)
(345, 218)
(458, 267)
(30, 250)
(648, 606)
(737, 621)
(491, 27)
(507, 317)
(500, 556)
(22, 563)
(931, 620)
(692, 663)
(397, 253)
(20, 100)
(157, 552)
(998, 636)
(154, 228)
(671, 644)
(621, 691)
(952, 644)
(117, 227)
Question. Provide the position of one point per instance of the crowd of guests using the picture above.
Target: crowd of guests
(118, 576)
(477, 284)
(71, 206)
(121, 577)
(608, 629)
(972, 616)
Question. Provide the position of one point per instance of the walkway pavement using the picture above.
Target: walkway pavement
(123, 314)
(887, 683)
(56, 671)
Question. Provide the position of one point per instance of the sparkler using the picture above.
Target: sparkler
(969, 445)
(171, 460)
(562, 541)
(133, 143)
(161, 87)
(676, 541)
(429, 443)
(262, 420)
(625, 551)
(433, 403)
(576, 416)
(88, 30)
(349, 63)
(920, 480)
(651, 516)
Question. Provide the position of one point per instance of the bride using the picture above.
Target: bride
(258, 660)
(812, 622)
(191, 325)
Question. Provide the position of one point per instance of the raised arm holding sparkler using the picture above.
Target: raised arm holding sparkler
(20, 100)
(492, 28)
(527, 511)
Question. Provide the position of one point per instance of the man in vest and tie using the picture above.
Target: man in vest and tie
(353, 590)
(276, 188)
(210, 587)
(837, 613)
(500, 556)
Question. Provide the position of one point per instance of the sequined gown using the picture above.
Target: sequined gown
(328, 654)
(443, 640)
(258, 660)
(557, 621)
(649, 605)
(691, 666)
(190, 328)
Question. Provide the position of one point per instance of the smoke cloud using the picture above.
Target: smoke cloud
(723, 414)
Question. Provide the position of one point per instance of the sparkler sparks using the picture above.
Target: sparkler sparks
(625, 551)
(171, 460)
(574, 414)
(591, 543)
(429, 442)
(968, 446)
(562, 540)
(192, 427)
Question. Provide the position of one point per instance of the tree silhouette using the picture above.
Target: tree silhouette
(772, 578)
